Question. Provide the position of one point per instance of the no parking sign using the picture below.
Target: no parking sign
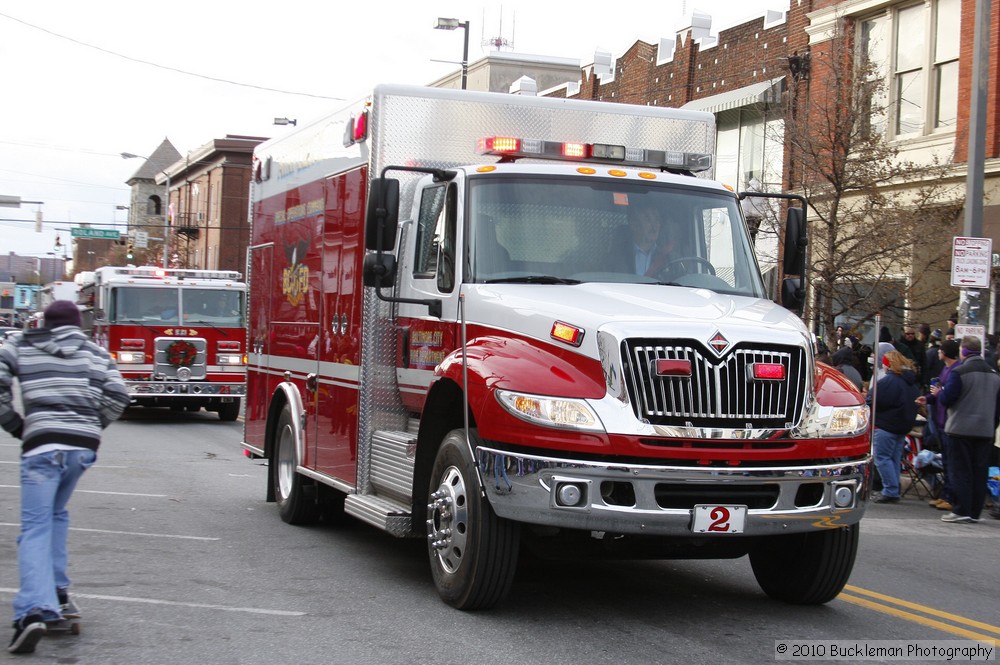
(971, 262)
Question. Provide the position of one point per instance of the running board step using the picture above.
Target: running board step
(392, 460)
(388, 515)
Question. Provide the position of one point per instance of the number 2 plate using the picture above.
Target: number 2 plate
(719, 519)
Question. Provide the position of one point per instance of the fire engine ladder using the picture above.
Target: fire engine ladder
(385, 502)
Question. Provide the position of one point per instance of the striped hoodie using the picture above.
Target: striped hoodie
(70, 388)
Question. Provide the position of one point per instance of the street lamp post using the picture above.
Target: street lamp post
(454, 24)
(166, 211)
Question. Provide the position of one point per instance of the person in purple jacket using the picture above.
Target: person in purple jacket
(937, 414)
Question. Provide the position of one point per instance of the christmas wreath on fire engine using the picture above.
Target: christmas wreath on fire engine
(181, 353)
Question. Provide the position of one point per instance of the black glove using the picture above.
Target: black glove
(17, 433)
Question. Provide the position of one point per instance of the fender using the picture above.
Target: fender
(523, 365)
(834, 389)
(293, 399)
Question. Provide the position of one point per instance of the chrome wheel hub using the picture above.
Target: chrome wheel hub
(448, 520)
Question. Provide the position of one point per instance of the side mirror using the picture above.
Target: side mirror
(379, 270)
(383, 215)
(794, 259)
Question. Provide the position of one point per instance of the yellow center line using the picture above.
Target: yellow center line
(916, 618)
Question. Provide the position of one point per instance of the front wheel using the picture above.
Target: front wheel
(806, 568)
(229, 411)
(473, 553)
(294, 494)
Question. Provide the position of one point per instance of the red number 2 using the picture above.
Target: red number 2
(720, 519)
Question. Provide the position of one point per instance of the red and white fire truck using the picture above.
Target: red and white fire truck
(452, 337)
(176, 335)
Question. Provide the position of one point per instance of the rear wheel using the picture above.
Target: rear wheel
(473, 553)
(806, 568)
(295, 495)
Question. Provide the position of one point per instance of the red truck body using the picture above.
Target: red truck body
(439, 348)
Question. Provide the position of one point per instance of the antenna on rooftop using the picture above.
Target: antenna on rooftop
(499, 42)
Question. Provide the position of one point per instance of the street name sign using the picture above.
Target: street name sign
(971, 262)
(106, 234)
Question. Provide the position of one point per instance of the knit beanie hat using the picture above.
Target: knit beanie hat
(62, 313)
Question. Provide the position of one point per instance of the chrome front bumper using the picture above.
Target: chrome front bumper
(166, 389)
(660, 500)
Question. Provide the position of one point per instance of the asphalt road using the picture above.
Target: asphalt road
(176, 558)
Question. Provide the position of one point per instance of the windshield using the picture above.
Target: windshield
(564, 230)
(168, 304)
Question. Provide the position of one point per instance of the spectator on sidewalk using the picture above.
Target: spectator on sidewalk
(932, 359)
(914, 349)
(972, 396)
(937, 414)
(843, 360)
(895, 412)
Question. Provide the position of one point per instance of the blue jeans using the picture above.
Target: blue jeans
(888, 449)
(47, 482)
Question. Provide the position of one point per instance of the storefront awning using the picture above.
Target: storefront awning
(765, 92)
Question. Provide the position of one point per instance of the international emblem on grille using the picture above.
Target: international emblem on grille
(719, 343)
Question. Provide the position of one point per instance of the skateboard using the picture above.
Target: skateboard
(71, 626)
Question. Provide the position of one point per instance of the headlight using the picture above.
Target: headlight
(230, 359)
(550, 411)
(131, 357)
(847, 421)
(833, 421)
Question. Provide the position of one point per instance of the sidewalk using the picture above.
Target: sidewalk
(921, 515)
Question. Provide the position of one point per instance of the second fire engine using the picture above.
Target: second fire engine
(176, 335)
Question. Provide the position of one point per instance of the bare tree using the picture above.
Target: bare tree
(880, 224)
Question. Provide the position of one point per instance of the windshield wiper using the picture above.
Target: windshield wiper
(533, 279)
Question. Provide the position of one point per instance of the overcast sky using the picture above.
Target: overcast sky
(85, 81)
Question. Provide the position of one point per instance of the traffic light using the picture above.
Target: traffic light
(128, 252)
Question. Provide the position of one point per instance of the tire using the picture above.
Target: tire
(472, 552)
(295, 495)
(229, 411)
(806, 568)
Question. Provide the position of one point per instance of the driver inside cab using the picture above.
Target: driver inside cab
(648, 247)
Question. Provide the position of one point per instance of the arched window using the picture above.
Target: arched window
(154, 206)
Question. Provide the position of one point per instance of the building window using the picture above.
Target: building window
(912, 51)
(154, 206)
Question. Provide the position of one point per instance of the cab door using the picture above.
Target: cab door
(431, 263)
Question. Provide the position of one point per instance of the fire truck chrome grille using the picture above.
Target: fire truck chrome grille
(194, 368)
(718, 392)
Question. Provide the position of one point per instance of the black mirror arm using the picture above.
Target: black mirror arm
(434, 306)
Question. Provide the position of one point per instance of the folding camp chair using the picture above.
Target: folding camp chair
(924, 481)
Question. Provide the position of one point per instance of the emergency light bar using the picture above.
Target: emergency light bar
(510, 148)
(178, 272)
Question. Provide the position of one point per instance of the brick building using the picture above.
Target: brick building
(207, 206)
(751, 75)
(209, 195)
